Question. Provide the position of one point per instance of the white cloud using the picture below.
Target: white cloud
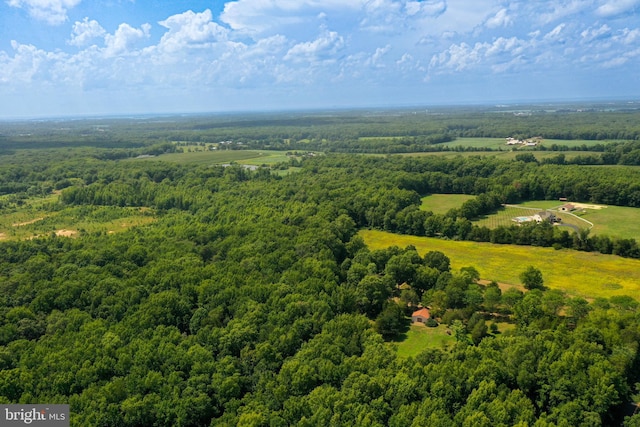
(500, 19)
(591, 34)
(124, 38)
(553, 10)
(500, 55)
(264, 16)
(191, 29)
(53, 12)
(555, 33)
(85, 31)
(271, 45)
(323, 48)
(27, 64)
(613, 8)
(628, 36)
(377, 59)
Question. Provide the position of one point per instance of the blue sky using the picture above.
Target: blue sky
(85, 57)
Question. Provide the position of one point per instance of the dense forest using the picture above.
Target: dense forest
(253, 301)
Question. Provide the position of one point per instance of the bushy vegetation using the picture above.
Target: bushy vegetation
(252, 300)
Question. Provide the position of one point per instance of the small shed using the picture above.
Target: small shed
(421, 316)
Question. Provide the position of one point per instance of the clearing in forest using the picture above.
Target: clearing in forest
(442, 203)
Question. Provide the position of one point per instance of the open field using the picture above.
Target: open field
(420, 337)
(505, 154)
(614, 221)
(442, 203)
(29, 222)
(587, 274)
(246, 157)
(496, 143)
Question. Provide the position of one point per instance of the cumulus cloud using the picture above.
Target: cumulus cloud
(502, 54)
(190, 29)
(124, 38)
(267, 44)
(85, 31)
(53, 12)
(323, 48)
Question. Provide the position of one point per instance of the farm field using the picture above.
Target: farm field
(248, 157)
(442, 203)
(504, 154)
(586, 274)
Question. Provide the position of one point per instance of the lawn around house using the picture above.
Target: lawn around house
(586, 274)
(614, 221)
(420, 337)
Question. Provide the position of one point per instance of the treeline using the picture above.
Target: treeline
(406, 130)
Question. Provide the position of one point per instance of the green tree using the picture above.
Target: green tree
(531, 278)
(391, 322)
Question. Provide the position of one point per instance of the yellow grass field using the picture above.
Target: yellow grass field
(587, 274)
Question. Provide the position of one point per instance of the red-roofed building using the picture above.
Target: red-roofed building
(420, 316)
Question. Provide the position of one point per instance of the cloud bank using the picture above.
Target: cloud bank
(314, 48)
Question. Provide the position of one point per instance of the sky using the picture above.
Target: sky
(86, 57)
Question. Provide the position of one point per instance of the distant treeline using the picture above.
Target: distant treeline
(338, 131)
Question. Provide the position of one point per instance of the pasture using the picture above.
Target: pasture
(587, 274)
(442, 203)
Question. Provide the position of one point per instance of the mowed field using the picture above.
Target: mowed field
(504, 217)
(586, 274)
(442, 203)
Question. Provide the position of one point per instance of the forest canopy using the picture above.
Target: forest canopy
(251, 300)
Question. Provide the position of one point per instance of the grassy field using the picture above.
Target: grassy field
(587, 274)
(504, 217)
(32, 220)
(247, 157)
(505, 154)
(420, 338)
(614, 221)
(442, 203)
